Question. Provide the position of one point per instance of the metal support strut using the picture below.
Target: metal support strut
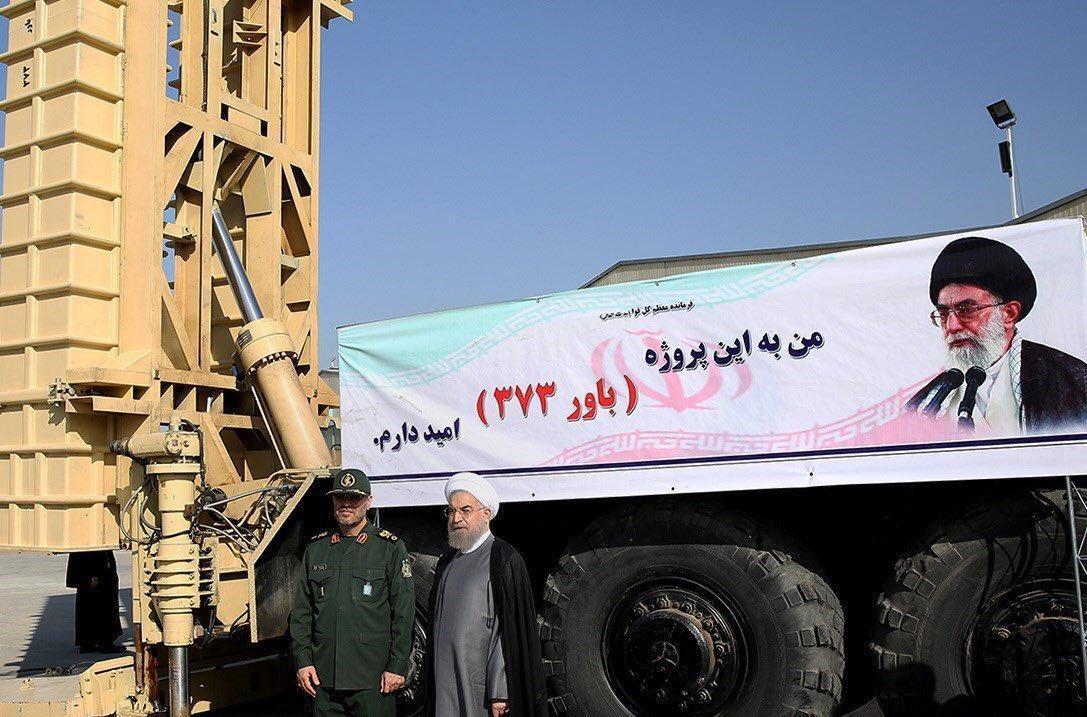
(1077, 535)
(172, 459)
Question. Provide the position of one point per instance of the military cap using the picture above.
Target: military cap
(347, 481)
(992, 265)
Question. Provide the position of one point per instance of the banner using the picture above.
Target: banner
(959, 342)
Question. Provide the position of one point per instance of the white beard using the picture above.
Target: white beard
(983, 351)
(464, 539)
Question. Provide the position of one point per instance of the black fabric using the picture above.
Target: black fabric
(1054, 389)
(993, 266)
(97, 605)
(516, 610)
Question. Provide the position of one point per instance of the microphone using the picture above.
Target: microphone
(974, 378)
(915, 403)
(936, 390)
(950, 380)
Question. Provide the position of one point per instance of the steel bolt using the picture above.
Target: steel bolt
(703, 696)
(1002, 633)
(662, 602)
(707, 624)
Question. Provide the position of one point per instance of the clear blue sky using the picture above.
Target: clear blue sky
(485, 150)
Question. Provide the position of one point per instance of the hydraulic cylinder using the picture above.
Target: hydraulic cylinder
(267, 357)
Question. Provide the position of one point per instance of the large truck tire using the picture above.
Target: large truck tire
(425, 539)
(980, 616)
(678, 607)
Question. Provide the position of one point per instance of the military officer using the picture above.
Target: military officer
(353, 610)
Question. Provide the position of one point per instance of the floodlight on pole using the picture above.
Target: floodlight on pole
(1004, 118)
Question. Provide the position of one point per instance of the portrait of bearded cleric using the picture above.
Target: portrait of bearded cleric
(995, 380)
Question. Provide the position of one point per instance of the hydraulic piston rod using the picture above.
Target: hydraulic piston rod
(267, 356)
(178, 665)
(235, 271)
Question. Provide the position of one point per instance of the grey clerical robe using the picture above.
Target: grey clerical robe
(469, 668)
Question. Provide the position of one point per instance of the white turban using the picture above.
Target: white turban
(478, 486)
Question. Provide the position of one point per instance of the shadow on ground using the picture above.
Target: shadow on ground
(50, 647)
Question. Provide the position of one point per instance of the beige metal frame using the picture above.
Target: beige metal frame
(127, 121)
(115, 317)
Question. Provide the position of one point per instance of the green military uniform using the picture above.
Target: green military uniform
(352, 616)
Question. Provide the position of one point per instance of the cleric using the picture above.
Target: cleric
(483, 654)
(982, 289)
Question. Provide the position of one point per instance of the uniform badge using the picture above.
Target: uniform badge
(347, 480)
(368, 589)
(320, 566)
(405, 569)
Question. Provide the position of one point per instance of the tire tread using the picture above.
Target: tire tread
(812, 610)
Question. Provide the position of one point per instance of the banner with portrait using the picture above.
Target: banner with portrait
(918, 360)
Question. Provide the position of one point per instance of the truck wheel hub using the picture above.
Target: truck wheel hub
(674, 647)
(1025, 651)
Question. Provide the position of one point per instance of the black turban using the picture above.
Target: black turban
(993, 266)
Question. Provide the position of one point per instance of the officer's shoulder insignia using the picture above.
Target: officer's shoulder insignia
(388, 536)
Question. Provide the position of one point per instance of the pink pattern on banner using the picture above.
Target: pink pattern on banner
(883, 423)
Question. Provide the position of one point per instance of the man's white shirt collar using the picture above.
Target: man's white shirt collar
(481, 541)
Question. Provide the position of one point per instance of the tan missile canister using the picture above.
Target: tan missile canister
(59, 269)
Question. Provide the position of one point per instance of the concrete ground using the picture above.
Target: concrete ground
(38, 658)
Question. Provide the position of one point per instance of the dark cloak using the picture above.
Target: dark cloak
(97, 605)
(1054, 388)
(516, 611)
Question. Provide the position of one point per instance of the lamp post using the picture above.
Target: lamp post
(1004, 118)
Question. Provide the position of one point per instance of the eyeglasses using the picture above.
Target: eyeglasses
(964, 311)
(466, 512)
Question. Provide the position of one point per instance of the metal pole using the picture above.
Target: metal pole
(1011, 175)
(179, 681)
(235, 272)
(1072, 496)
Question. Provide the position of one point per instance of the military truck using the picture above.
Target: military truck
(768, 488)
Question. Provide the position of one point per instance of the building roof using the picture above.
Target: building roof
(1074, 205)
(656, 268)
